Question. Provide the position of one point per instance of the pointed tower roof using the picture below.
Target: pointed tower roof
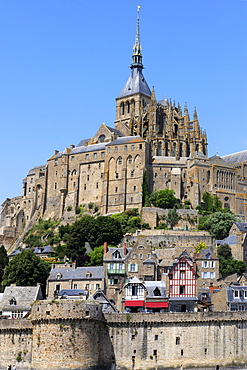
(136, 82)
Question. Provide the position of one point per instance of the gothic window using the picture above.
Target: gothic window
(159, 148)
(128, 106)
(122, 108)
(120, 160)
(129, 159)
(181, 150)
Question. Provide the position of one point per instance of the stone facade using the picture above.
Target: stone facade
(157, 138)
(69, 334)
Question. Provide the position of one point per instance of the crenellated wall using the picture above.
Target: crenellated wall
(73, 334)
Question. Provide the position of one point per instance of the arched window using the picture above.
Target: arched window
(101, 138)
(128, 106)
(122, 108)
(129, 159)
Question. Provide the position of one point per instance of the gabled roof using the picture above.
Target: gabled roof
(242, 226)
(80, 273)
(206, 254)
(135, 84)
(22, 295)
(235, 157)
(230, 240)
(125, 140)
(72, 292)
(151, 286)
(100, 297)
(216, 159)
(109, 255)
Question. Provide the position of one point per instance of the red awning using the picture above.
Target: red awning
(134, 303)
(156, 304)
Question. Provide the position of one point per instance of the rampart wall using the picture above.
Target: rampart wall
(71, 334)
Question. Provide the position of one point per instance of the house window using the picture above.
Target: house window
(102, 154)
(116, 190)
(177, 340)
(156, 337)
(55, 186)
(134, 289)
(182, 274)
(212, 275)
(141, 256)
(75, 286)
(58, 287)
(120, 266)
(140, 146)
(205, 275)
(132, 147)
(125, 148)
(170, 288)
(87, 156)
(115, 149)
(87, 177)
(133, 255)
(85, 187)
(132, 173)
(116, 175)
(133, 267)
(204, 264)
(95, 155)
(236, 294)
(120, 160)
(87, 286)
(72, 158)
(108, 150)
(149, 256)
(88, 275)
(181, 289)
(182, 264)
(97, 286)
(97, 185)
(212, 264)
(12, 302)
(56, 162)
(134, 188)
(245, 294)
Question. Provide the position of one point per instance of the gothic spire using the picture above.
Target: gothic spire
(137, 48)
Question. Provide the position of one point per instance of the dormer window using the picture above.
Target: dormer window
(59, 276)
(12, 302)
(88, 275)
(208, 255)
(116, 255)
(157, 292)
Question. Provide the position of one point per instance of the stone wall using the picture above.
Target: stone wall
(172, 340)
(72, 334)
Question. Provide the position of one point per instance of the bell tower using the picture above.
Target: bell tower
(135, 96)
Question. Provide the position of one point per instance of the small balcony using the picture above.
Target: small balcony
(116, 271)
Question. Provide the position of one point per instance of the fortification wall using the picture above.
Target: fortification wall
(167, 340)
(70, 334)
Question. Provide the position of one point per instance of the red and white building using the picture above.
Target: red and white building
(182, 284)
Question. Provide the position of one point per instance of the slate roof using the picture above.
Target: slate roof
(23, 295)
(230, 240)
(235, 157)
(88, 148)
(126, 139)
(72, 292)
(152, 285)
(136, 83)
(79, 273)
(242, 226)
(32, 171)
(37, 250)
(108, 256)
(216, 159)
(114, 130)
(230, 294)
(83, 142)
(206, 254)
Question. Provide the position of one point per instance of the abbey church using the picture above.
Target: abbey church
(151, 137)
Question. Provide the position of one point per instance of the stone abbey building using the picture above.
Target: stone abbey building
(155, 137)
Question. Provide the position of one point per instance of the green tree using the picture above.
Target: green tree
(199, 247)
(164, 198)
(224, 251)
(145, 193)
(26, 269)
(96, 256)
(219, 224)
(172, 218)
(96, 231)
(4, 260)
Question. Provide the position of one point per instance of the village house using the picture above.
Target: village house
(86, 278)
(15, 301)
(230, 298)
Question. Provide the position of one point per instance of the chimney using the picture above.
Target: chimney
(73, 265)
(124, 249)
(105, 247)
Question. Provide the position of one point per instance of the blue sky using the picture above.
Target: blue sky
(63, 63)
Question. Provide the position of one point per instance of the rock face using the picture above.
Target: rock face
(70, 334)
